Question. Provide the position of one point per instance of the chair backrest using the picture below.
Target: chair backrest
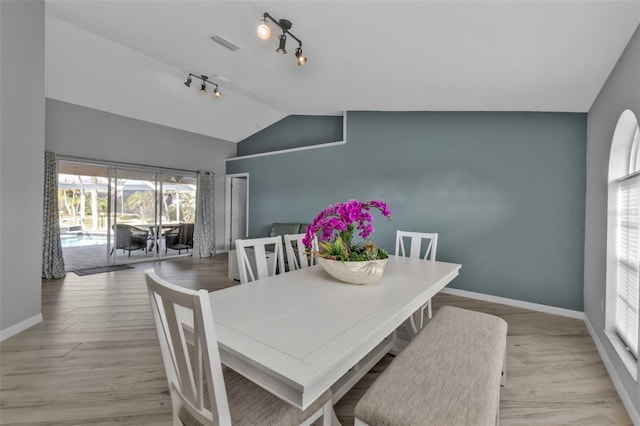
(252, 254)
(173, 231)
(123, 234)
(415, 248)
(188, 342)
(185, 234)
(297, 257)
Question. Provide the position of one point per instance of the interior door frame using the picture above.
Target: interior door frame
(227, 208)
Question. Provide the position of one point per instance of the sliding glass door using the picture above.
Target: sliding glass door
(113, 215)
(133, 214)
(152, 208)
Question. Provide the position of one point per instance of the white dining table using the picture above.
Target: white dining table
(300, 333)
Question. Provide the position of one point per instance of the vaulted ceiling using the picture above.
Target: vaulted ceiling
(132, 57)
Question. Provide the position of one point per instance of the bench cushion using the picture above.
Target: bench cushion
(448, 375)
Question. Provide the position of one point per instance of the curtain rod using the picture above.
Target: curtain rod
(100, 162)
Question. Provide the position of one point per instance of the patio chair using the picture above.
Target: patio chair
(202, 391)
(129, 237)
(179, 238)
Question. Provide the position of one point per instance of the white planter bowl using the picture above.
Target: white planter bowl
(364, 272)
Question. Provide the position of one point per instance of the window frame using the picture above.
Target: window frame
(624, 165)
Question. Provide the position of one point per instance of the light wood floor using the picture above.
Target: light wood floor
(95, 358)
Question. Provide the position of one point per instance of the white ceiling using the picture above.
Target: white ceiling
(131, 57)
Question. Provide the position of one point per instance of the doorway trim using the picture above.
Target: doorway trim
(227, 207)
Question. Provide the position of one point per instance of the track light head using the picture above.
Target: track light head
(203, 87)
(301, 59)
(188, 82)
(217, 93)
(282, 44)
(263, 29)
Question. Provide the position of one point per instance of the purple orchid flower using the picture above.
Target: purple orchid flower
(339, 217)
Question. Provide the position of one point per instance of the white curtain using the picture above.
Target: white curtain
(52, 260)
(204, 238)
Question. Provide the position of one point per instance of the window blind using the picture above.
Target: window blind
(628, 262)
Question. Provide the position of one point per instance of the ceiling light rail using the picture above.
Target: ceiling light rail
(264, 32)
(203, 87)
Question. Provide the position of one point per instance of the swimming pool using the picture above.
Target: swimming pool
(82, 240)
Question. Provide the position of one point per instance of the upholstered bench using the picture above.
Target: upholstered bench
(450, 374)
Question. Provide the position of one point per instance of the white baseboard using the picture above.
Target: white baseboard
(622, 392)
(515, 303)
(20, 327)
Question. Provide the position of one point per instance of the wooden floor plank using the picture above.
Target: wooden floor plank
(96, 360)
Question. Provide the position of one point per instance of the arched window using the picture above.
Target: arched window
(623, 240)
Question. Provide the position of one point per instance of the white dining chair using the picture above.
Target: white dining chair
(202, 391)
(255, 262)
(417, 241)
(422, 245)
(297, 257)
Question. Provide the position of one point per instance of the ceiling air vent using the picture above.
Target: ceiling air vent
(224, 42)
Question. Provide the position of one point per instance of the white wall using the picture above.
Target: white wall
(81, 63)
(21, 162)
(74, 130)
(620, 92)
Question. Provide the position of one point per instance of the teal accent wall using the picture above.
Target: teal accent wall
(293, 131)
(504, 190)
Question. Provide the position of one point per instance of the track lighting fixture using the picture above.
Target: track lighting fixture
(285, 25)
(282, 46)
(203, 87)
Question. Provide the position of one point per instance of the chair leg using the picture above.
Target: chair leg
(418, 319)
(426, 307)
(411, 326)
(327, 414)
